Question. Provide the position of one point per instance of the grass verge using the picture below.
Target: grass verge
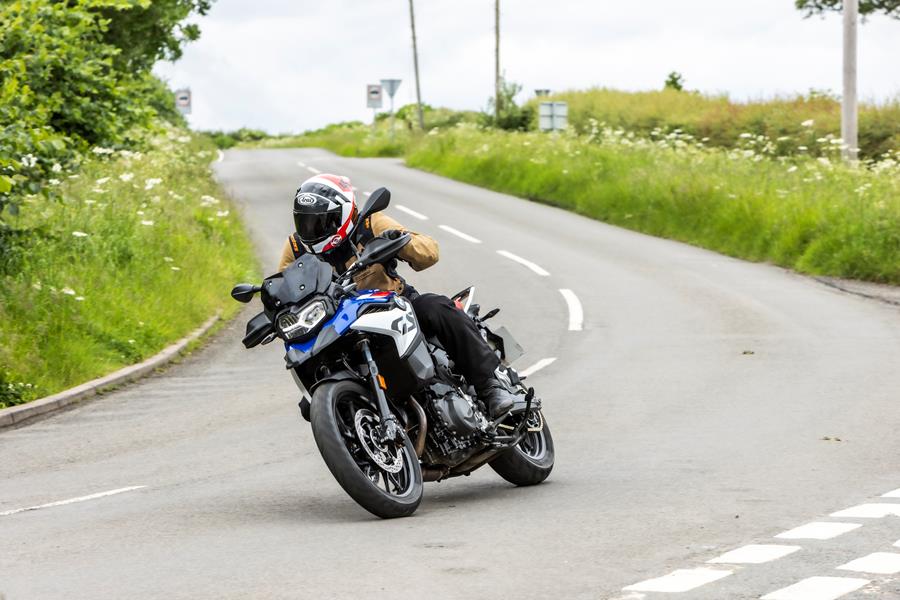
(812, 214)
(142, 249)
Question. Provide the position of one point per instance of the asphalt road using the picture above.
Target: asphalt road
(697, 411)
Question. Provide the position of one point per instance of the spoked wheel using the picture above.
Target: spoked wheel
(384, 478)
(530, 461)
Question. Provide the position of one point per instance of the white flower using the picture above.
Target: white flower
(56, 168)
(184, 139)
(147, 223)
(99, 150)
(792, 168)
(176, 268)
(808, 123)
(89, 202)
(102, 180)
(222, 213)
(168, 259)
(746, 135)
(28, 161)
(97, 190)
(207, 200)
(68, 291)
(126, 176)
(79, 298)
(37, 285)
(130, 341)
(140, 323)
(140, 212)
(802, 148)
(53, 182)
(79, 234)
(151, 183)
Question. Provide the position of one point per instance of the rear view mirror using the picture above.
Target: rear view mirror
(244, 292)
(381, 250)
(376, 202)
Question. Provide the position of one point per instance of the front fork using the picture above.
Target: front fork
(390, 427)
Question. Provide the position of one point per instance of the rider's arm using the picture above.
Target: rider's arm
(421, 252)
(287, 256)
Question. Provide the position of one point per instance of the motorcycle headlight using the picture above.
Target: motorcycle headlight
(295, 324)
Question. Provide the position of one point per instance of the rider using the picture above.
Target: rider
(325, 214)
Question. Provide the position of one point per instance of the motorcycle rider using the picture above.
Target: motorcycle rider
(325, 215)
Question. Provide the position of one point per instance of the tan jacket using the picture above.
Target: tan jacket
(421, 252)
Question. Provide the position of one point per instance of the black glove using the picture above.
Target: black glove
(392, 234)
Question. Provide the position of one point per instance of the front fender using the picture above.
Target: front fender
(345, 375)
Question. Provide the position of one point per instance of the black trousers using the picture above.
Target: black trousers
(439, 317)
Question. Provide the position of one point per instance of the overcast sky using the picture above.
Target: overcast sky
(292, 65)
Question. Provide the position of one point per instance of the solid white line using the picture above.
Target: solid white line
(73, 500)
(300, 163)
(682, 580)
(534, 267)
(313, 170)
(544, 362)
(411, 212)
(882, 563)
(818, 588)
(754, 554)
(220, 156)
(818, 531)
(893, 494)
(460, 234)
(868, 511)
(576, 312)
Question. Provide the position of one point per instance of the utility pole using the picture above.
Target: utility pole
(496, 61)
(412, 23)
(848, 103)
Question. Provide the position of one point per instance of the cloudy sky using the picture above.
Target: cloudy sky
(292, 65)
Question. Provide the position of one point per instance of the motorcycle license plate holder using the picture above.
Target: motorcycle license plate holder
(510, 349)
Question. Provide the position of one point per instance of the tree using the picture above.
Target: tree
(674, 81)
(508, 115)
(890, 8)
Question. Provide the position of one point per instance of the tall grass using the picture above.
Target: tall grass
(142, 248)
(791, 123)
(815, 215)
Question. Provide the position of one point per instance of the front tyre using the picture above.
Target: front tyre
(530, 461)
(385, 480)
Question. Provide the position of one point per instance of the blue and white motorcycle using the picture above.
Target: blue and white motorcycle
(387, 408)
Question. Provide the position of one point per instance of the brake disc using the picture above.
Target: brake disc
(367, 428)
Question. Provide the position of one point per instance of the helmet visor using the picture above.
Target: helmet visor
(315, 227)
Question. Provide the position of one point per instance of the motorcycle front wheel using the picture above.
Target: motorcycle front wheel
(382, 478)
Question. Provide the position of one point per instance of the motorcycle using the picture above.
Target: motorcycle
(388, 410)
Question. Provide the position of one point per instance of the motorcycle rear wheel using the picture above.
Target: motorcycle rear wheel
(530, 461)
(343, 415)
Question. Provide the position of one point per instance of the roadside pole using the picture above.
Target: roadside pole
(390, 86)
(849, 132)
(412, 23)
(496, 61)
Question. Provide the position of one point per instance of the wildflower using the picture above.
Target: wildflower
(151, 183)
(28, 161)
(53, 182)
(126, 177)
(222, 213)
(79, 298)
(140, 323)
(130, 341)
(147, 223)
(207, 200)
(101, 151)
(102, 180)
(37, 285)
(79, 234)
(802, 148)
(183, 139)
(746, 135)
(176, 268)
(89, 202)
(808, 123)
(97, 190)
(168, 259)
(792, 168)
(68, 291)
(823, 160)
(56, 168)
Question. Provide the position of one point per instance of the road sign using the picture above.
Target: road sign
(183, 101)
(373, 95)
(553, 116)
(390, 86)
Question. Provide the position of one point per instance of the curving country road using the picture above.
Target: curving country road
(702, 405)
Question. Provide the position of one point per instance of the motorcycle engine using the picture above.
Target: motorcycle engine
(455, 423)
(458, 413)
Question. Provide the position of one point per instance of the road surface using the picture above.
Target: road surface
(700, 405)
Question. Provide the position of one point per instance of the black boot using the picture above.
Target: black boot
(496, 397)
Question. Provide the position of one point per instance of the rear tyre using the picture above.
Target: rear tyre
(530, 461)
(386, 481)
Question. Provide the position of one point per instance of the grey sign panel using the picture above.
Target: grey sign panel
(183, 101)
(553, 116)
(390, 86)
(373, 95)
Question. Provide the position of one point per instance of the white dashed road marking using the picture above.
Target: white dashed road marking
(869, 511)
(73, 500)
(893, 494)
(818, 588)
(818, 531)
(544, 362)
(460, 234)
(313, 170)
(882, 563)
(754, 554)
(576, 313)
(534, 267)
(300, 163)
(682, 580)
(411, 212)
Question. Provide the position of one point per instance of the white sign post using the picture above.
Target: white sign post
(553, 116)
(390, 86)
(183, 101)
(373, 100)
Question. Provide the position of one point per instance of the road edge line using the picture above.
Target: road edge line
(16, 415)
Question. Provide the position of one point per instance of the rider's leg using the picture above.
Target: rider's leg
(439, 316)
